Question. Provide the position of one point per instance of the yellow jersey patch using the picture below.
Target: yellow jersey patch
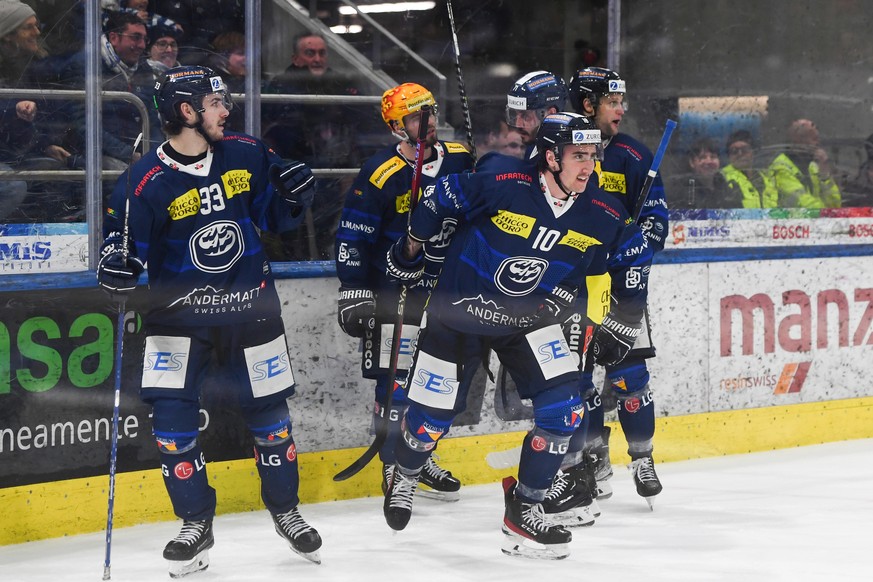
(188, 204)
(578, 241)
(512, 223)
(401, 203)
(599, 288)
(453, 147)
(386, 170)
(612, 182)
(236, 182)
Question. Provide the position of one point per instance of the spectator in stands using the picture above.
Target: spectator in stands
(703, 186)
(322, 135)
(500, 138)
(753, 186)
(803, 173)
(125, 69)
(25, 142)
(202, 21)
(140, 8)
(859, 191)
(229, 60)
(163, 48)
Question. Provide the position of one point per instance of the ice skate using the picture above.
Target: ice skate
(386, 476)
(645, 478)
(188, 552)
(527, 532)
(301, 537)
(568, 502)
(398, 500)
(438, 483)
(602, 466)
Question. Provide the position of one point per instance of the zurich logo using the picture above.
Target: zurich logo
(518, 276)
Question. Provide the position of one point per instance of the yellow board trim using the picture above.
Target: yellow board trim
(76, 506)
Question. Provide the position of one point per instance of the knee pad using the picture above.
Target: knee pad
(399, 395)
(270, 425)
(175, 424)
(558, 411)
(633, 402)
(421, 430)
(628, 379)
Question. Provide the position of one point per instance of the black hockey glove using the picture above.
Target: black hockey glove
(558, 304)
(356, 311)
(403, 270)
(117, 274)
(294, 183)
(614, 339)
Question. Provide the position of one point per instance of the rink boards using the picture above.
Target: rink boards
(752, 355)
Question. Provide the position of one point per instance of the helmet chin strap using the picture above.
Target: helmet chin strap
(555, 175)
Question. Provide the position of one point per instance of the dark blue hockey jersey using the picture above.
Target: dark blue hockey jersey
(376, 209)
(626, 162)
(510, 248)
(196, 228)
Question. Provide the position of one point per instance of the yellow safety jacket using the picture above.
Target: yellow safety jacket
(737, 181)
(799, 190)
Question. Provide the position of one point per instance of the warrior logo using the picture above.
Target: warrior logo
(215, 248)
(518, 276)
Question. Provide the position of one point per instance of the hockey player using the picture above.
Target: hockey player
(525, 241)
(375, 215)
(531, 98)
(195, 206)
(599, 94)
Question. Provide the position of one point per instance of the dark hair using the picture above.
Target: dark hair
(739, 135)
(118, 21)
(701, 145)
(228, 42)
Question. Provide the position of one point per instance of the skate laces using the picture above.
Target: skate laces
(535, 516)
(559, 485)
(191, 532)
(434, 471)
(402, 491)
(293, 523)
(644, 469)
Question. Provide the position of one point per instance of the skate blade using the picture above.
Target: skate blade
(651, 502)
(444, 496)
(604, 490)
(180, 568)
(314, 557)
(576, 517)
(522, 547)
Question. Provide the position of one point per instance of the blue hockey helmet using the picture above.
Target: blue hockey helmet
(187, 85)
(539, 91)
(563, 129)
(593, 83)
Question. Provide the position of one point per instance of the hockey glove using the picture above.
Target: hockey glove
(403, 270)
(356, 311)
(294, 183)
(117, 274)
(558, 303)
(614, 339)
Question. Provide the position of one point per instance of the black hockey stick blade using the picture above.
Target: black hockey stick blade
(363, 460)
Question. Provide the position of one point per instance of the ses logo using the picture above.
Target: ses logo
(553, 350)
(165, 361)
(270, 368)
(436, 382)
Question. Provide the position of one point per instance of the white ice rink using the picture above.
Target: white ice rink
(794, 515)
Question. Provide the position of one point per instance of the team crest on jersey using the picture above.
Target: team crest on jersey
(578, 241)
(188, 204)
(236, 182)
(216, 247)
(518, 276)
(512, 223)
(613, 182)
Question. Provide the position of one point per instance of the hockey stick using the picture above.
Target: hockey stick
(113, 447)
(382, 428)
(510, 457)
(465, 106)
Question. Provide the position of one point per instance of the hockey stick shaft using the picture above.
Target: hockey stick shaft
(116, 407)
(465, 106)
(382, 427)
(641, 201)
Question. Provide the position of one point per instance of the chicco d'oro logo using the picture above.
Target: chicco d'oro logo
(216, 247)
(518, 276)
